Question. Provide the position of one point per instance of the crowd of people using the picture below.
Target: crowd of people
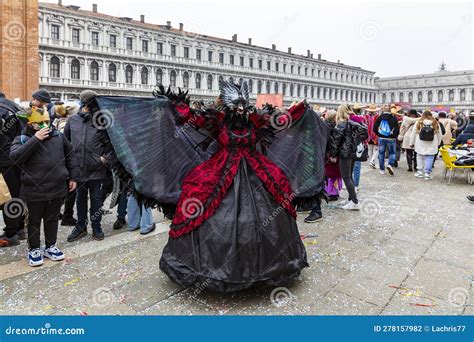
(53, 156)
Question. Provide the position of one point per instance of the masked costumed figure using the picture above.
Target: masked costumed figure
(234, 221)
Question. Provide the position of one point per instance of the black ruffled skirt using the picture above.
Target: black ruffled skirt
(249, 240)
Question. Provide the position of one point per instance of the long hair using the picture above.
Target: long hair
(427, 116)
(343, 112)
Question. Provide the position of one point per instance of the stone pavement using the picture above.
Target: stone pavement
(409, 251)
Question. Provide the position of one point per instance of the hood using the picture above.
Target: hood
(427, 122)
(386, 116)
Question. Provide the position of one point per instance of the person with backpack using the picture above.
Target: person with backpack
(425, 139)
(42, 151)
(387, 129)
(344, 141)
(371, 115)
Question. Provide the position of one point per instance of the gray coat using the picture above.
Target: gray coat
(89, 144)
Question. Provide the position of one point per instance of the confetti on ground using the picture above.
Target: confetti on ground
(310, 243)
(407, 292)
(72, 282)
(307, 236)
(83, 313)
(441, 234)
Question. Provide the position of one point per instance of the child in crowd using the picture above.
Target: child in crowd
(46, 161)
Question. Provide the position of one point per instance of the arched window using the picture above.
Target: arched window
(198, 81)
(94, 70)
(440, 96)
(268, 87)
(75, 69)
(275, 88)
(241, 80)
(144, 75)
(430, 96)
(401, 96)
(209, 82)
(112, 73)
(384, 98)
(231, 79)
(292, 88)
(462, 95)
(173, 78)
(259, 87)
(250, 84)
(129, 74)
(159, 76)
(298, 90)
(392, 97)
(185, 80)
(305, 91)
(410, 97)
(283, 88)
(420, 96)
(451, 95)
(221, 78)
(54, 68)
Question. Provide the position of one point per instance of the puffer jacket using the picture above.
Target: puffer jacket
(426, 147)
(46, 165)
(89, 144)
(345, 138)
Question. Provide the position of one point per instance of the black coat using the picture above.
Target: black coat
(344, 139)
(10, 127)
(89, 144)
(46, 166)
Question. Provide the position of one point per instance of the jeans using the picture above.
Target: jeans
(69, 202)
(91, 187)
(139, 216)
(122, 206)
(356, 173)
(345, 166)
(390, 145)
(48, 211)
(425, 162)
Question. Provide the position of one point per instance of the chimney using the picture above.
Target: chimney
(308, 53)
(311, 56)
(338, 61)
(60, 2)
(168, 25)
(274, 47)
(181, 26)
(250, 41)
(234, 38)
(319, 56)
(142, 18)
(289, 50)
(94, 8)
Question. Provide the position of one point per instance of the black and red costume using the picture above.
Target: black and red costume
(234, 221)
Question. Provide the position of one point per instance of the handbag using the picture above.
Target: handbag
(5, 195)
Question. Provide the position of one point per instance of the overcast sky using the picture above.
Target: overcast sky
(392, 38)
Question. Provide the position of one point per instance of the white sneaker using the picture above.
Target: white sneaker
(54, 253)
(357, 188)
(351, 206)
(372, 165)
(428, 176)
(390, 170)
(342, 203)
(35, 257)
(419, 174)
(382, 172)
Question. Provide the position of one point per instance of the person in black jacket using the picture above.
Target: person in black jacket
(343, 144)
(10, 128)
(387, 129)
(48, 173)
(87, 137)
